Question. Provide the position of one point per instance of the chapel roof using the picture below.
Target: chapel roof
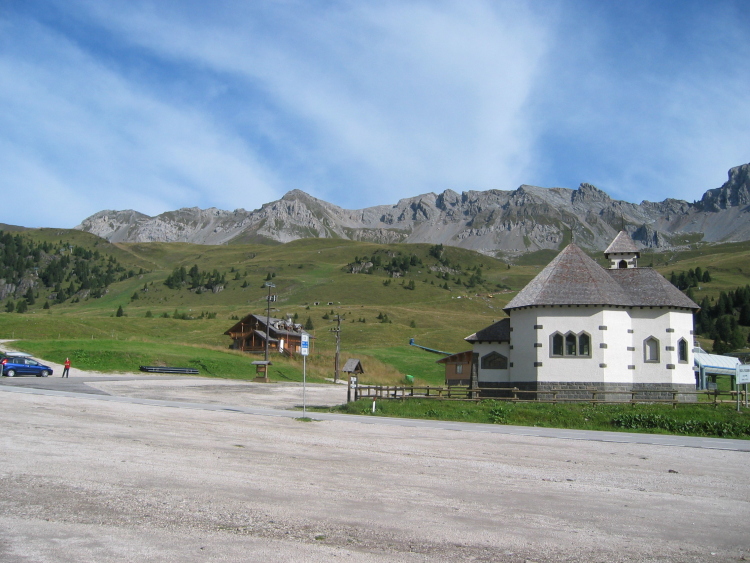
(496, 332)
(573, 278)
(622, 244)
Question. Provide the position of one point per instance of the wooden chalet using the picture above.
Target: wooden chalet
(249, 335)
(457, 368)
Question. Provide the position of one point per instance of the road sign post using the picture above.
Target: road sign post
(742, 376)
(304, 349)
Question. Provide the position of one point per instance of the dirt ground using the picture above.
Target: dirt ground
(86, 480)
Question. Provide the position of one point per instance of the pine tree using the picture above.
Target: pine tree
(309, 324)
(120, 312)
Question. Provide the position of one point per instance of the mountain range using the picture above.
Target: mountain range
(493, 222)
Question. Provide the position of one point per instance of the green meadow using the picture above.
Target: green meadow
(437, 302)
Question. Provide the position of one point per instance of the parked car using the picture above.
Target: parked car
(23, 365)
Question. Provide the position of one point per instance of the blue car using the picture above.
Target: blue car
(23, 365)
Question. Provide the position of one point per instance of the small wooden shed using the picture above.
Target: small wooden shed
(457, 368)
(353, 367)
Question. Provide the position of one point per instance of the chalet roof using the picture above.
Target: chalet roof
(252, 320)
(497, 332)
(459, 358)
(622, 244)
(262, 335)
(573, 278)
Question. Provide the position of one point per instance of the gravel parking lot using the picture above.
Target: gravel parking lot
(88, 480)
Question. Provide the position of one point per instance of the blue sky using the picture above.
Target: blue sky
(161, 104)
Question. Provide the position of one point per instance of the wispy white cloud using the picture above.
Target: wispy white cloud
(87, 138)
(647, 100)
(158, 105)
(401, 98)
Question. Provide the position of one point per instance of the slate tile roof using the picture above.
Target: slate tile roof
(573, 278)
(648, 287)
(497, 332)
(622, 244)
(259, 321)
(353, 365)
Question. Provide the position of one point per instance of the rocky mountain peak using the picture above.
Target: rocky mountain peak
(734, 193)
(586, 193)
(493, 221)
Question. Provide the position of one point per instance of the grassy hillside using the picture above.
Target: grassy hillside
(312, 279)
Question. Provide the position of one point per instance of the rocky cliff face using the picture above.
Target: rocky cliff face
(522, 220)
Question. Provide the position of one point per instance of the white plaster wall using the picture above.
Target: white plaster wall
(618, 340)
(682, 323)
(493, 375)
(655, 322)
(522, 338)
(643, 322)
(570, 368)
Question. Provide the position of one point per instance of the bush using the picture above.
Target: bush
(723, 429)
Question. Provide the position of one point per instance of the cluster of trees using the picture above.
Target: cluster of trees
(61, 267)
(383, 318)
(722, 320)
(195, 278)
(398, 264)
(691, 278)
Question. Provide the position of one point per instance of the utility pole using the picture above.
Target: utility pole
(337, 332)
(269, 285)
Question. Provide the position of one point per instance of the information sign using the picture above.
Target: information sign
(743, 374)
(304, 348)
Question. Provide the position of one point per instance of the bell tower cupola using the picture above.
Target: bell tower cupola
(622, 253)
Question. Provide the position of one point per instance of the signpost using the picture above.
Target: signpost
(304, 349)
(742, 376)
(352, 386)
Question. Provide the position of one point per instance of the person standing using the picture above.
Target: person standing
(66, 370)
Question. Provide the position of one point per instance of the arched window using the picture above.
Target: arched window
(623, 264)
(557, 344)
(494, 360)
(651, 350)
(682, 350)
(570, 344)
(584, 344)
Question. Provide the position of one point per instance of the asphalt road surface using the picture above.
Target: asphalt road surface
(135, 468)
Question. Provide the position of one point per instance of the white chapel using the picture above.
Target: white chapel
(577, 325)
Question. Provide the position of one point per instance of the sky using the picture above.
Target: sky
(155, 105)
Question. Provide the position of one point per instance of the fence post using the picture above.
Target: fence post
(554, 396)
(674, 399)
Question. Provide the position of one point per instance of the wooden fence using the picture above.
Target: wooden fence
(514, 395)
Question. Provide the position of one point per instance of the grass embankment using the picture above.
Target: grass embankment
(112, 356)
(120, 356)
(689, 420)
